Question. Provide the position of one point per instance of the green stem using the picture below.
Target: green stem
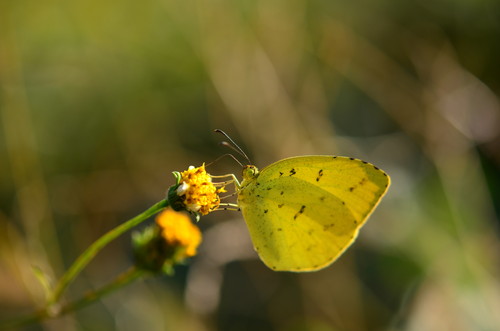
(125, 278)
(93, 249)
(120, 281)
(16, 323)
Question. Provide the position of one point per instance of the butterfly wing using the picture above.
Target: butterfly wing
(303, 212)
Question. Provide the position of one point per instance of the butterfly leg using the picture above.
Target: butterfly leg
(233, 179)
(229, 206)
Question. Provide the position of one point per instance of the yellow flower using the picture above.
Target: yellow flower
(179, 232)
(198, 192)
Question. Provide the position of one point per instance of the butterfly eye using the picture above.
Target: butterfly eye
(250, 172)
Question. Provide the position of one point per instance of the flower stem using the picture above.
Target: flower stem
(120, 281)
(125, 278)
(93, 249)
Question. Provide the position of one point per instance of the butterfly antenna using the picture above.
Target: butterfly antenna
(233, 145)
(226, 144)
(220, 157)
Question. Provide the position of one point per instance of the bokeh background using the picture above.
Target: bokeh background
(101, 100)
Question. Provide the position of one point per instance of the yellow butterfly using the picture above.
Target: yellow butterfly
(304, 212)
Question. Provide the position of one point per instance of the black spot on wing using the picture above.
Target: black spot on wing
(361, 183)
(292, 172)
(326, 227)
(299, 212)
(320, 174)
(281, 205)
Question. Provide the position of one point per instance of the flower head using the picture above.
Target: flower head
(167, 243)
(178, 231)
(195, 191)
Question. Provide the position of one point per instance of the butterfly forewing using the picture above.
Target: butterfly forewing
(303, 212)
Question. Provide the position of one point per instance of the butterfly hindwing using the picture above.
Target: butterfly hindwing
(303, 212)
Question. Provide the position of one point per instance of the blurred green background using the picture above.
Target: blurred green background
(101, 100)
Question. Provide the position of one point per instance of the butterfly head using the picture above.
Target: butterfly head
(250, 172)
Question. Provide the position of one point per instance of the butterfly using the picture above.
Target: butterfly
(304, 212)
